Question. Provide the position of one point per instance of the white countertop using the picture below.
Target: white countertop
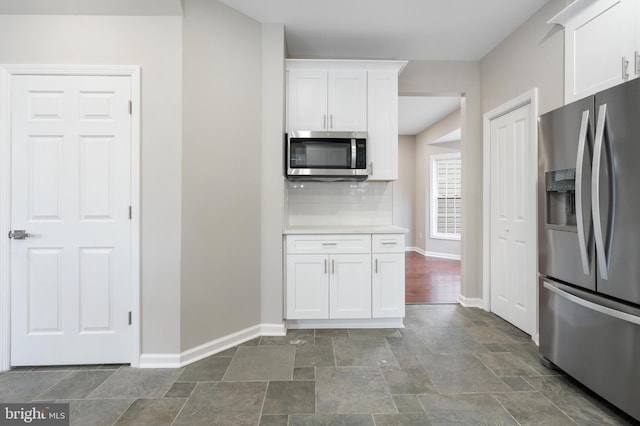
(351, 229)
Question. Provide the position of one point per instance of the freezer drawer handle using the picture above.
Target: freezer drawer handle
(582, 242)
(595, 193)
(593, 306)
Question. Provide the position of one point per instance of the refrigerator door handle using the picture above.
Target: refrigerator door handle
(582, 242)
(593, 306)
(595, 193)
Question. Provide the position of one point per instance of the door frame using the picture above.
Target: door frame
(6, 74)
(530, 97)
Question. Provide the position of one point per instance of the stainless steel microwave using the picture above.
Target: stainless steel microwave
(327, 156)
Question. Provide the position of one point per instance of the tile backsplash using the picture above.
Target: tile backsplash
(338, 203)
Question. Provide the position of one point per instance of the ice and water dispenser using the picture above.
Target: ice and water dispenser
(561, 199)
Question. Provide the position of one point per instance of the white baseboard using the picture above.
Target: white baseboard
(347, 323)
(210, 348)
(273, 329)
(442, 255)
(471, 302)
(159, 361)
(434, 254)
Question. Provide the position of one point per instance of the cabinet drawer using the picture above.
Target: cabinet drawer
(387, 243)
(347, 243)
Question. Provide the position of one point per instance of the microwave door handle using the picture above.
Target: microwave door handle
(582, 243)
(595, 192)
(354, 153)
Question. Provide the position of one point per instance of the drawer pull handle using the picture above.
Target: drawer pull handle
(329, 244)
(389, 244)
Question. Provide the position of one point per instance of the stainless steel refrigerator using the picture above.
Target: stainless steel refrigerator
(589, 242)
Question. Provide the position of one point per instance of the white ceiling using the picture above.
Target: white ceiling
(416, 113)
(91, 7)
(395, 29)
(392, 29)
(355, 29)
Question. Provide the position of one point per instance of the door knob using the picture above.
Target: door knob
(18, 234)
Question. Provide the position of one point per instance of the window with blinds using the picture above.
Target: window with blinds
(446, 205)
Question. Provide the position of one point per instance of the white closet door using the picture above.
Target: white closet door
(513, 222)
(71, 189)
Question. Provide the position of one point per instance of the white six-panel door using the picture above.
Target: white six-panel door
(71, 192)
(513, 244)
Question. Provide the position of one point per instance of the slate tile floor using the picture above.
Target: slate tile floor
(450, 365)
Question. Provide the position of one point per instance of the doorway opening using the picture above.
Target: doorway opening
(427, 196)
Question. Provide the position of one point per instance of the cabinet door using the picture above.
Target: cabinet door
(307, 100)
(598, 42)
(350, 286)
(387, 285)
(347, 101)
(382, 129)
(307, 286)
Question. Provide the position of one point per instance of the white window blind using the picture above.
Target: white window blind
(446, 218)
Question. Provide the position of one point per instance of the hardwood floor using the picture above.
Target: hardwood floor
(430, 279)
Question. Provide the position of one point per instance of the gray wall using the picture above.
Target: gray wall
(221, 157)
(532, 56)
(154, 43)
(404, 188)
(449, 78)
(272, 208)
(424, 150)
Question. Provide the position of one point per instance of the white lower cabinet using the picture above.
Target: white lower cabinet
(387, 284)
(350, 286)
(307, 286)
(328, 286)
(334, 277)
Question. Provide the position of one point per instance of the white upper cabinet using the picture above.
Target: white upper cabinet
(327, 100)
(382, 132)
(347, 101)
(346, 95)
(600, 45)
(307, 100)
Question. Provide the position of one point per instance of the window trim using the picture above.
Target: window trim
(433, 217)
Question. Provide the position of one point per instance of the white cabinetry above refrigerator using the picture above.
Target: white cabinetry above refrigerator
(602, 42)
